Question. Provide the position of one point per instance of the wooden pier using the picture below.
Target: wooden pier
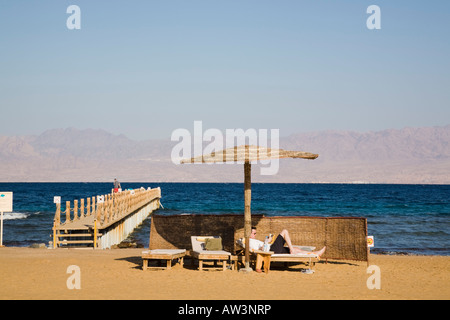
(103, 221)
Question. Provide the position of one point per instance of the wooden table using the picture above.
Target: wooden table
(263, 257)
(163, 254)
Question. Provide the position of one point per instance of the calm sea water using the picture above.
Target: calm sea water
(410, 219)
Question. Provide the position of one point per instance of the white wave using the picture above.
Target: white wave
(14, 215)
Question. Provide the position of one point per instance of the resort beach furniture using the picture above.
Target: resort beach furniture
(311, 258)
(201, 252)
(344, 237)
(163, 254)
(270, 256)
(263, 257)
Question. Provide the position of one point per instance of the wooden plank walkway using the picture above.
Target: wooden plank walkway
(84, 224)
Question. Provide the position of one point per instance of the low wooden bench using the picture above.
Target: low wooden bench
(163, 254)
(235, 259)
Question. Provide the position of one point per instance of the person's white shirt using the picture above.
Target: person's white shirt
(255, 244)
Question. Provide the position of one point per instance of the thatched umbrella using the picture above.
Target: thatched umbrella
(247, 155)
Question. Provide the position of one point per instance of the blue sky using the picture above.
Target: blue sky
(146, 68)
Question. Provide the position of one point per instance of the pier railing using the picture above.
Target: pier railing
(106, 209)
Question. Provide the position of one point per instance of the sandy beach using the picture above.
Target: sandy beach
(28, 273)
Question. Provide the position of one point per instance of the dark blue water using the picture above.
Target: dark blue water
(410, 219)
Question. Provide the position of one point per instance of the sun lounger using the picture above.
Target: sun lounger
(163, 254)
(201, 253)
(310, 257)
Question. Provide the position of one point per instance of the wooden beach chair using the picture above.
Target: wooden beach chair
(203, 251)
(163, 254)
(310, 258)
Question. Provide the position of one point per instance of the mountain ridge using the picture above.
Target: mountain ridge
(408, 155)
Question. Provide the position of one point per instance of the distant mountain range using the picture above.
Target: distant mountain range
(410, 155)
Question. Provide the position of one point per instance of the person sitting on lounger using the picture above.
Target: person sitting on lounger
(278, 245)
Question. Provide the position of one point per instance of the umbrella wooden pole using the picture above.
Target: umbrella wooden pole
(247, 211)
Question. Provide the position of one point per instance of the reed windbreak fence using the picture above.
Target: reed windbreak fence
(345, 237)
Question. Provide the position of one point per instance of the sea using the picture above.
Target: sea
(403, 219)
